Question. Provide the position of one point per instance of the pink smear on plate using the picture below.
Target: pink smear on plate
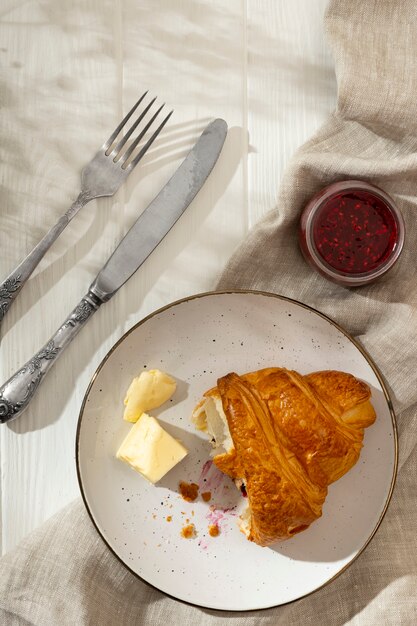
(224, 499)
(215, 516)
(211, 478)
(224, 495)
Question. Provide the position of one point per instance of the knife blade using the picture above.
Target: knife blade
(162, 213)
(142, 238)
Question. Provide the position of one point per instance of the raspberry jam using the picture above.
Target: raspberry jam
(351, 232)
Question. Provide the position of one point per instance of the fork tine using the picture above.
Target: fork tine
(150, 141)
(113, 136)
(139, 137)
(123, 140)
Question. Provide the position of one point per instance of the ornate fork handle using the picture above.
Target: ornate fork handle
(17, 392)
(15, 281)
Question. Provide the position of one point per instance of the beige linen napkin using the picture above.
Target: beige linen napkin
(63, 573)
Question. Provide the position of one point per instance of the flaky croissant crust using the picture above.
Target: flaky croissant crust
(293, 435)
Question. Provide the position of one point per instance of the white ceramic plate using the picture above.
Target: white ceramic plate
(198, 340)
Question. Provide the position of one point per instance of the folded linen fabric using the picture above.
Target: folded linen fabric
(64, 574)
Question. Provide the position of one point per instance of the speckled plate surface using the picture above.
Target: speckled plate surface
(196, 341)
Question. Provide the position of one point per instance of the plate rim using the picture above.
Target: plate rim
(255, 292)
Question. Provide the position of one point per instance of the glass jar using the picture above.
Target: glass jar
(351, 232)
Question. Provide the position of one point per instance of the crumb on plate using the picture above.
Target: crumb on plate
(188, 532)
(188, 491)
(214, 530)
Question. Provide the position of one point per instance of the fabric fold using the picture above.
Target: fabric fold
(64, 574)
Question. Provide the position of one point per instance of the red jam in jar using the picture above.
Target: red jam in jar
(351, 232)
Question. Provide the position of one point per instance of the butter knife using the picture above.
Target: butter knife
(142, 238)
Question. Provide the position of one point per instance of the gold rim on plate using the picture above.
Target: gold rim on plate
(271, 295)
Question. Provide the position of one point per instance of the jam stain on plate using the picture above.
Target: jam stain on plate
(217, 488)
(211, 478)
(213, 486)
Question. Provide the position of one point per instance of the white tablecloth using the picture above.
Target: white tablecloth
(70, 72)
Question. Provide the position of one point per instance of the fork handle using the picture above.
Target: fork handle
(10, 287)
(18, 391)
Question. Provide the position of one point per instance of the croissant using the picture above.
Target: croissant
(284, 438)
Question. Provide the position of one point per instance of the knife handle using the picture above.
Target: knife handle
(18, 391)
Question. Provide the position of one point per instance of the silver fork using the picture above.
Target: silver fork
(101, 177)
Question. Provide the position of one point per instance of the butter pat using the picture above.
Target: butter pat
(147, 391)
(150, 450)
